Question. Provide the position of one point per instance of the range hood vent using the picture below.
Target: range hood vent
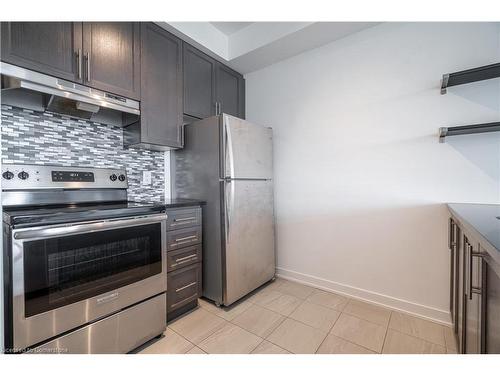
(28, 89)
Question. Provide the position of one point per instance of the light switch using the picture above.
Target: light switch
(146, 178)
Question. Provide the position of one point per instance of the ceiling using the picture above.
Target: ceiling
(250, 46)
(229, 28)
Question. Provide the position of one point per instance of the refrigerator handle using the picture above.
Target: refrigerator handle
(229, 162)
(229, 197)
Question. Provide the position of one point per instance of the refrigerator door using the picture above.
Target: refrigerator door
(249, 237)
(247, 150)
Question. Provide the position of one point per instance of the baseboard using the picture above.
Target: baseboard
(411, 308)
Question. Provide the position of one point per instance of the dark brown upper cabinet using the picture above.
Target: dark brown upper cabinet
(199, 83)
(111, 57)
(230, 91)
(160, 126)
(102, 55)
(53, 48)
(211, 88)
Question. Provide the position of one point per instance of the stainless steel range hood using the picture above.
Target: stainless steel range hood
(28, 89)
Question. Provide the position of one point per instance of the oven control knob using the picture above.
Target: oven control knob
(8, 175)
(121, 177)
(23, 175)
(112, 177)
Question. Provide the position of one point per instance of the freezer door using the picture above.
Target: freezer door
(249, 257)
(247, 149)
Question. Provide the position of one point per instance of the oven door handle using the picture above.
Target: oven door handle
(76, 228)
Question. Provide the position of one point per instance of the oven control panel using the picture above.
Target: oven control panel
(24, 176)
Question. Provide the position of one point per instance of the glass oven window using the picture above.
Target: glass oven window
(63, 270)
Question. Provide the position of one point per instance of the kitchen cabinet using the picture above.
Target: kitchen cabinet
(199, 83)
(467, 286)
(160, 125)
(102, 55)
(230, 91)
(184, 257)
(111, 56)
(473, 297)
(53, 48)
(211, 88)
(492, 307)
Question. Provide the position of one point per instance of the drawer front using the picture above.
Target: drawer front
(186, 256)
(183, 237)
(183, 218)
(183, 286)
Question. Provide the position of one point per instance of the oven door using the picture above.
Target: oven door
(70, 275)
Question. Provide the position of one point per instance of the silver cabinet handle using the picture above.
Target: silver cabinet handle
(180, 261)
(186, 258)
(79, 63)
(87, 60)
(185, 219)
(185, 238)
(472, 255)
(186, 286)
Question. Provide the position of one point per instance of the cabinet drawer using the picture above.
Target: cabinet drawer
(183, 237)
(186, 256)
(183, 286)
(184, 218)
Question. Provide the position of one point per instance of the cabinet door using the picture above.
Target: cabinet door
(199, 93)
(230, 91)
(112, 57)
(161, 80)
(53, 48)
(460, 292)
(492, 308)
(473, 300)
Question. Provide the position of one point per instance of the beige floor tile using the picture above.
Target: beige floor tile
(451, 351)
(227, 313)
(171, 343)
(295, 289)
(297, 337)
(196, 350)
(361, 332)
(417, 327)
(283, 304)
(316, 316)
(400, 343)
(274, 284)
(266, 347)
(368, 311)
(331, 300)
(197, 325)
(336, 345)
(230, 339)
(449, 339)
(265, 295)
(259, 320)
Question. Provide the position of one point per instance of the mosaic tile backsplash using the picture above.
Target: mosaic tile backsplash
(31, 137)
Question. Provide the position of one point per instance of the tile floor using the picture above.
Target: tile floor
(284, 317)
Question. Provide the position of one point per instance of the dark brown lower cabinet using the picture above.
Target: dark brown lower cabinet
(184, 256)
(468, 290)
(492, 307)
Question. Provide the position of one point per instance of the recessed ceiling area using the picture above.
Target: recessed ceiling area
(250, 46)
(229, 28)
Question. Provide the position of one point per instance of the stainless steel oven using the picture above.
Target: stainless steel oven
(65, 276)
(80, 275)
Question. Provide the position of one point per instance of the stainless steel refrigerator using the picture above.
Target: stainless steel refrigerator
(228, 162)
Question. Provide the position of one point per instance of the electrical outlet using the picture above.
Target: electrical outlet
(146, 178)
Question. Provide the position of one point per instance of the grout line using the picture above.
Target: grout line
(385, 336)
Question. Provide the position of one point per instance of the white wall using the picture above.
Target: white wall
(360, 178)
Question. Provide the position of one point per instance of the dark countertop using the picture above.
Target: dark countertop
(182, 202)
(481, 220)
